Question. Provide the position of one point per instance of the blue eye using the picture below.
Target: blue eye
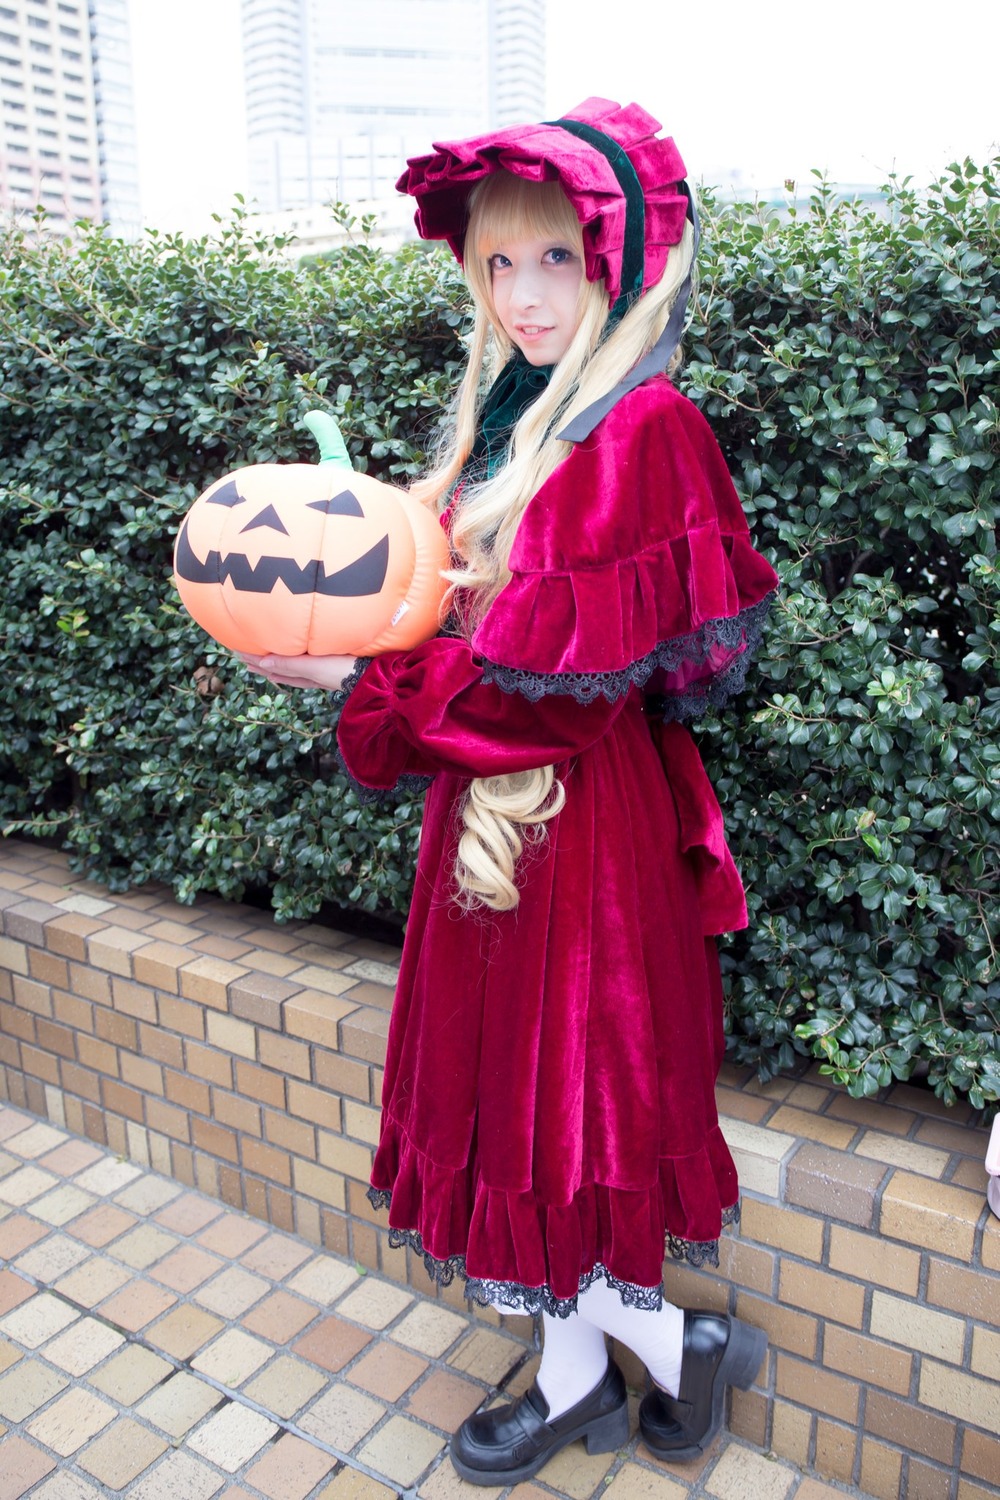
(498, 262)
(558, 255)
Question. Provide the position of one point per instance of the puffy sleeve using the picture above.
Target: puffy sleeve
(632, 566)
(414, 713)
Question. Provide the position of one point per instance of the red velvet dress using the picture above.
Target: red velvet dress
(549, 1113)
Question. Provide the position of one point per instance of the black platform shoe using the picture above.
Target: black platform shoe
(511, 1443)
(718, 1351)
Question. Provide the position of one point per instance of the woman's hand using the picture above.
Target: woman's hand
(326, 672)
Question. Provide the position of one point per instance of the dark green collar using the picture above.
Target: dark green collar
(515, 388)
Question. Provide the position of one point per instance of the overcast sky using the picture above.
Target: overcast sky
(760, 94)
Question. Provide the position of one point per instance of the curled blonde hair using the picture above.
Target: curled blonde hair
(501, 813)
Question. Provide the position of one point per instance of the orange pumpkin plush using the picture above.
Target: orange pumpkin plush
(313, 559)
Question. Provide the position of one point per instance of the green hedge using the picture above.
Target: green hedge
(847, 357)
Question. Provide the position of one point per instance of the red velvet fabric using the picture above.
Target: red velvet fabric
(549, 1092)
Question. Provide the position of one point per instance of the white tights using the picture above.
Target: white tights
(575, 1357)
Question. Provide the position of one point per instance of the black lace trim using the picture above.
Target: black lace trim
(407, 785)
(350, 682)
(744, 629)
(518, 1298)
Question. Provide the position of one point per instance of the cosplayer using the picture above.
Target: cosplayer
(549, 1124)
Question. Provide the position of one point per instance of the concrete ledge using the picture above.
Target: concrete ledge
(246, 1059)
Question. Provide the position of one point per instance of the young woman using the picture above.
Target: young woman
(549, 1123)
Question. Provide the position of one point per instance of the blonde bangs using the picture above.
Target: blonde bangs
(504, 208)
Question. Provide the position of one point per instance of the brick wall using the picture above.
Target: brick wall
(245, 1059)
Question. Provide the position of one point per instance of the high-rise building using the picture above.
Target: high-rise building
(340, 93)
(67, 141)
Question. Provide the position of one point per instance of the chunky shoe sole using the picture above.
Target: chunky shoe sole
(601, 1435)
(743, 1357)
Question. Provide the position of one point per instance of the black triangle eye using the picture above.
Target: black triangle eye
(227, 494)
(344, 504)
(268, 517)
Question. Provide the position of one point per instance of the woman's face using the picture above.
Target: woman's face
(536, 292)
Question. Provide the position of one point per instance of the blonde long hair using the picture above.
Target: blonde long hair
(501, 813)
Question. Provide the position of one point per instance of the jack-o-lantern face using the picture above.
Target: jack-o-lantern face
(304, 558)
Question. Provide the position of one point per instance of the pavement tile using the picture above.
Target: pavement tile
(148, 1193)
(122, 1453)
(430, 1329)
(93, 1280)
(128, 1377)
(233, 1358)
(331, 1343)
(67, 1486)
(25, 1185)
(107, 1176)
(351, 1484)
(342, 1417)
(285, 1386)
(486, 1355)
(101, 1225)
(12, 1121)
(744, 1474)
(37, 1320)
(23, 1466)
(178, 1477)
(137, 1304)
(290, 1469)
(83, 1346)
(185, 1268)
(18, 1233)
(143, 1245)
(277, 1256)
(280, 1317)
(232, 1292)
(323, 1279)
(183, 1331)
(9, 1354)
(13, 1291)
(62, 1204)
(387, 1371)
(574, 1473)
(232, 1437)
(24, 1389)
(401, 1450)
(72, 1421)
(35, 1141)
(374, 1303)
(632, 1482)
(444, 1400)
(72, 1157)
(52, 1258)
(188, 1214)
(8, 1163)
(178, 1405)
(231, 1235)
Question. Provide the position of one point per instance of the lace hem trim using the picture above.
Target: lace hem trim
(518, 1298)
(744, 629)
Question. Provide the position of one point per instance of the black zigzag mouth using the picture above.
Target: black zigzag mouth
(366, 575)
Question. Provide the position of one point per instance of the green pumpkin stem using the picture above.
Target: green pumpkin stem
(332, 448)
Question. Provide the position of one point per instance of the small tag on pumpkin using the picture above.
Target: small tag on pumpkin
(401, 611)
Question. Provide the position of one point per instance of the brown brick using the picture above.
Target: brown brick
(981, 1454)
(284, 1055)
(47, 968)
(364, 1035)
(119, 1030)
(923, 1102)
(112, 949)
(900, 1320)
(364, 1246)
(344, 1156)
(812, 1127)
(872, 1114)
(821, 1292)
(10, 1054)
(28, 995)
(93, 1123)
(867, 1359)
(14, 956)
(991, 1244)
(358, 1205)
(968, 1490)
(315, 1105)
(18, 1023)
(182, 1016)
(206, 1175)
(237, 1037)
(209, 1063)
(873, 1259)
(748, 1417)
(52, 1037)
(367, 993)
(265, 1161)
(260, 1083)
(134, 999)
(259, 998)
(161, 1046)
(817, 1389)
(92, 984)
(255, 1197)
(38, 1065)
(315, 1016)
(77, 1080)
(834, 1184)
(799, 1233)
(182, 1163)
(746, 1263)
(74, 1115)
(122, 1101)
(791, 1432)
(169, 1120)
(316, 1182)
(231, 1109)
(159, 964)
(924, 1212)
(141, 1073)
(962, 1396)
(974, 1294)
(208, 979)
(926, 1482)
(881, 1469)
(835, 1450)
(67, 934)
(967, 1139)
(281, 1208)
(72, 1011)
(738, 1106)
(94, 1053)
(342, 1075)
(189, 1093)
(785, 1328)
(986, 1353)
(296, 1136)
(905, 1424)
(215, 1139)
(26, 921)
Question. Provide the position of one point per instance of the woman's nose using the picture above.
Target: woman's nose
(527, 288)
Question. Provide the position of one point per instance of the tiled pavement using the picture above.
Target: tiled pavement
(157, 1345)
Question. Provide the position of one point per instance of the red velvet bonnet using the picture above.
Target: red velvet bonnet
(548, 152)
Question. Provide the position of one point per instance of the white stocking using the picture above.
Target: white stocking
(574, 1359)
(656, 1337)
